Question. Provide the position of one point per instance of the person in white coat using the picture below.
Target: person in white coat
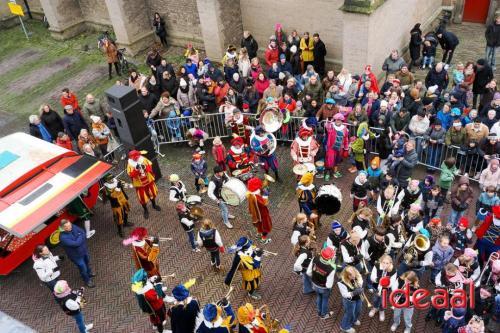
(45, 265)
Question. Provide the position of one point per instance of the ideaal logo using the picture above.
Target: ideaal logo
(440, 299)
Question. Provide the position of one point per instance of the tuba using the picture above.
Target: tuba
(271, 119)
(197, 213)
(420, 244)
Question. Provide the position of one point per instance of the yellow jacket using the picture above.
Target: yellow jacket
(307, 55)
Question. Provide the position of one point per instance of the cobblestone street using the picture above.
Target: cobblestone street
(111, 306)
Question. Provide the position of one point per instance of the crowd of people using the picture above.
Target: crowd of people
(397, 236)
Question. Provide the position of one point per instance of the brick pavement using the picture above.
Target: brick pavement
(111, 305)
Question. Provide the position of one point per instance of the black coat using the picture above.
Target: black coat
(434, 78)
(415, 43)
(448, 40)
(483, 76)
(169, 85)
(160, 28)
(73, 123)
(492, 35)
(35, 131)
(295, 62)
(251, 45)
(149, 101)
(319, 52)
(52, 122)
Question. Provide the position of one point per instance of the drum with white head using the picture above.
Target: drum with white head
(234, 192)
(328, 199)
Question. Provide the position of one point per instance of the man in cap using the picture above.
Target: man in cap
(304, 147)
(145, 251)
(322, 272)
(247, 259)
(212, 321)
(251, 320)
(215, 193)
(240, 125)
(258, 208)
(140, 171)
(239, 156)
(119, 202)
(264, 144)
(184, 311)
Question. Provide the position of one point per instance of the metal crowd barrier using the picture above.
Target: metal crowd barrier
(172, 130)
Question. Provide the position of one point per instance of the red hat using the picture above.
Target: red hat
(368, 68)
(435, 220)
(327, 253)
(396, 81)
(238, 141)
(496, 211)
(246, 106)
(196, 156)
(254, 184)
(134, 154)
(463, 222)
(304, 132)
(181, 206)
(139, 233)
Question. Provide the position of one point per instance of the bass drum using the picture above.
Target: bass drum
(234, 192)
(328, 199)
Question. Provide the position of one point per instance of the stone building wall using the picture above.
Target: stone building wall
(182, 20)
(95, 12)
(321, 16)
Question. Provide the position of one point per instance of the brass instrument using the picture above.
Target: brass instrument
(269, 253)
(493, 256)
(420, 243)
(271, 119)
(272, 324)
(197, 213)
(161, 239)
(267, 180)
(170, 276)
(363, 296)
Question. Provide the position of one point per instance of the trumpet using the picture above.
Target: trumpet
(161, 239)
(269, 253)
(493, 257)
(363, 296)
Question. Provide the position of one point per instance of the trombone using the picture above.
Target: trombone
(363, 296)
(493, 257)
(269, 253)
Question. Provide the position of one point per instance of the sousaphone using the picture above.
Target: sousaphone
(271, 119)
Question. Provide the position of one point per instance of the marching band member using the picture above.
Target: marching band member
(442, 253)
(408, 278)
(304, 254)
(359, 191)
(239, 156)
(184, 311)
(337, 235)
(214, 192)
(488, 235)
(251, 320)
(467, 264)
(351, 288)
(322, 272)
(187, 222)
(118, 199)
(409, 195)
(416, 257)
(362, 218)
(247, 259)
(140, 170)
(375, 247)
(150, 296)
(177, 191)
(300, 228)
(351, 250)
(240, 126)
(387, 203)
(412, 220)
(395, 233)
(209, 238)
(383, 270)
(304, 147)
(71, 302)
(258, 209)
(210, 319)
(261, 144)
(144, 251)
(306, 193)
(336, 145)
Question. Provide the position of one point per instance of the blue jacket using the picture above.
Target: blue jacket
(286, 67)
(74, 243)
(446, 119)
(440, 256)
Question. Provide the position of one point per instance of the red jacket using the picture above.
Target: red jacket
(70, 100)
(481, 230)
(272, 56)
(64, 144)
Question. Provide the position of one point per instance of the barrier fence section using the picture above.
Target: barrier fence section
(179, 129)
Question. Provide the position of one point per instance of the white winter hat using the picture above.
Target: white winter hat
(95, 119)
(293, 48)
(236, 76)
(432, 89)
(383, 103)
(182, 83)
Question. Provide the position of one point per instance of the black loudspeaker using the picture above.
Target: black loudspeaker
(127, 111)
(130, 123)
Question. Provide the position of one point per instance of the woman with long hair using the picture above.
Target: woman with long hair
(351, 288)
(159, 25)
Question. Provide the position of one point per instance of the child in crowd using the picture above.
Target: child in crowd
(442, 253)
(487, 199)
(209, 238)
(409, 278)
(448, 173)
(389, 178)
(432, 204)
(219, 153)
(429, 52)
(398, 150)
(461, 235)
(384, 269)
(358, 146)
(64, 141)
(199, 169)
(374, 177)
(187, 223)
(359, 191)
(453, 319)
(363, 217)
(458, 74)
(461, 198)
(475, 325)
(337, 235)
(304, 253)
(436, 229)
(426, 185)
(300, 227)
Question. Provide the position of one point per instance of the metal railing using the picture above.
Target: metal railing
(172, 130)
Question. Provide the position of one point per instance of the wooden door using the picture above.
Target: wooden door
(476, 11)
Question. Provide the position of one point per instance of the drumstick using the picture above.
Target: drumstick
(164, 277)
(270, 253)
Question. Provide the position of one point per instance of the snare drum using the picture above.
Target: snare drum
(192, 200)
(234, 192)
